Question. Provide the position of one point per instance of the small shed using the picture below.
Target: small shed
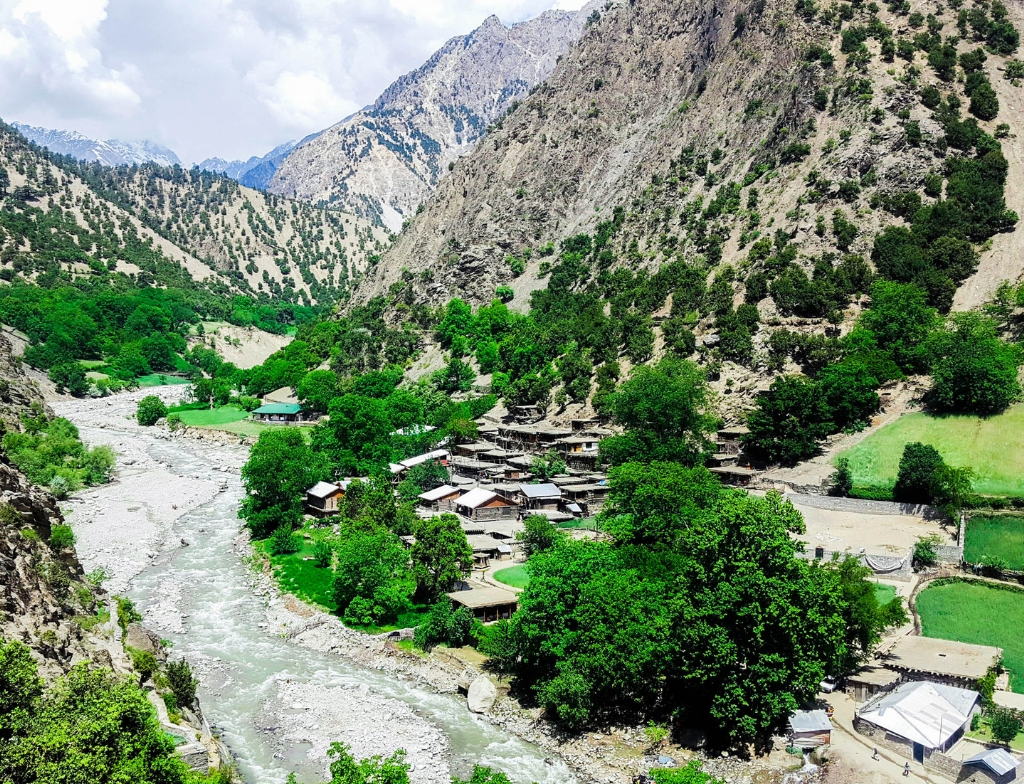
(869, 681)
(485, 548)
(809, 729)
(440, 499)
(480, 504)
(278, 413)
(322, 499)
(487, 604)
(541, 496)
(1000, 762)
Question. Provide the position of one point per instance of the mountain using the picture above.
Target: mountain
(385, 160)
(110, 153)
(64, 216)
(720, 132)
(257, 171)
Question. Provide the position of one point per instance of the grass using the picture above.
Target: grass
(578, 523)
(978, 613)
(160, 380)
(999, 536)
(315, 585)
(213, 417)
(984, 734)
(884, 593)
(92, 364)
(516, 576)
(993, 447)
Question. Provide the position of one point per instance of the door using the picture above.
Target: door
(918, 753)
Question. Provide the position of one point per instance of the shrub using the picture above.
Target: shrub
(283, 541)
(984, 102)
(924, 550)
(841, 479)
(150, 410)
(173, 421)
(445, 624)
(322, 553)
(916, 476)
(505, 293)
(61, 537)
(182, 682)
(143, 662)
(1005, 725)
(126, 613)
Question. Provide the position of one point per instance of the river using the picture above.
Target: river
(167, 532)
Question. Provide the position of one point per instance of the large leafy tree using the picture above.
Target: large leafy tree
(280, 468)
(918, 469)
(788, 421)
(356, 438)
(441, 554)
(665, 411)
(372, 581)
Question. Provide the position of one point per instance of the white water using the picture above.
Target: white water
(200, 598)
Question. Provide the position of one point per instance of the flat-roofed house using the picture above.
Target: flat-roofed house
(590, 497)
(541, 496)
(278, 414)
(438, 455)
(323, 498)
(481, 504)
(487, 604)
(440, 499)
(958, 664)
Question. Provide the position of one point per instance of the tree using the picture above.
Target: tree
(1005, 725)
(280, 468)
(5, 181)
(441, 554)
(788, 421)
(70, 378)
(841, 479)
(372, 581)
(547, 465)
(951, 488)
(575, 369)
(150, 409)
(538, 535)
(900, 321)
(456, 376)
(848, 390)
(357, 437)
(317, 389)
(665, 410)
(445, 624)
(984, 102)
(20, 689)
(915, 480)
(182, 682)
(973, 371)
(373, 770)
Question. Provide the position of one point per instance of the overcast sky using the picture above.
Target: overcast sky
(227, 78)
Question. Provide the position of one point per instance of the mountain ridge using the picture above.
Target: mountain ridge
(111, 152)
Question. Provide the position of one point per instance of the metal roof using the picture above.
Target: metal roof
(999, 761)
(279, 408)
(810, 721)
(547, 490)
(438, 493)
(324, 489)
(437, 454)
(922, 712)
(476, 497)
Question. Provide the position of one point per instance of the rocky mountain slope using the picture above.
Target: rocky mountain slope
(110, 153)
(258, 171)
(385, 160)
(208, 227)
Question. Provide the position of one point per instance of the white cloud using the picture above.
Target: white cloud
(219, 77)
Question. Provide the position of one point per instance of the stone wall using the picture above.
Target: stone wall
(879, 564)
(863, 506)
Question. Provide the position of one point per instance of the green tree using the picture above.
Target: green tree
(900, 321)
(456, 376)
(317, 389)
(547, 465)
(915, 479)
(973, 371)
(455, 323)
(665, 411)
(788, 421)
(445, 624)
(150, 409)
(373, 770)
(575, 369)
(1005, 725)
(538, 535)
(984, 102)
(372, 580)
(182, 682)
(280, 468)
(356, 439)
(70, 378)
(841, 479)
(20, 690)
(441, 555)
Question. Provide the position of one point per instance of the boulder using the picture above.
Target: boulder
(142, 639)
(195, 756)
(482, 694)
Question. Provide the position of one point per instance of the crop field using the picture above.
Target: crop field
(995, 536)
(978, 613)
(516, 576)
(993, 447)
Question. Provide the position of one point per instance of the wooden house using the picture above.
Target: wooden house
(480, 504)
(440, 499)
(323, 498)
(540, 496)
(487, 604)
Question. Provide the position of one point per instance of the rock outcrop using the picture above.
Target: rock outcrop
(385, 160)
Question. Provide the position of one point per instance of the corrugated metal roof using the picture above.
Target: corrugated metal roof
(541, 491)
(323, 489)
(810, 721)
(923, 712)
(438, 493)
(476, 497)
(999, 761)
(279, 408)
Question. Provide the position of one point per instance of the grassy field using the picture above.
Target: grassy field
(213, 417)
(993, 447)
(984, 734)
(315, 585)
(978, 613)
(884, 593)
(586, 523)
(516, 576)
(92, 364)
(999, 536)
(159, 380)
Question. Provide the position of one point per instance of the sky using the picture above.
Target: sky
(224, 78)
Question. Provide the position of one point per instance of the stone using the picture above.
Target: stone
(141, 639)
(482, 694)
(195, 756)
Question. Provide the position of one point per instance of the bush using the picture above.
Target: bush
(126, 613)
(1005, 725)
(144, 663)
(916, 476)
(173, 421)
(182, 682)
(283, 541)
(61, 537)
(150, 410)
(984, 102)
(445, 624)
(505, 293)
(924, 550)
(841, 479)
(322, 554)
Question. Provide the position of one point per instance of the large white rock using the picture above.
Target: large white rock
(482, 694)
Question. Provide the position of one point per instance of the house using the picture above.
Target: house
(997, 765)
(809, 729)
(942, 661)
(480, 504)
(730, 439)
(579, 451)
(323, 498)
(474, 449)
(736, 475)
(869, 681)
(589, 497)
(486, 549)
(541, 496)
(918, 719)
(282, 395)
(440, 499)
(487, 604)
(278, 414)
(470, 467)
(439, 455)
